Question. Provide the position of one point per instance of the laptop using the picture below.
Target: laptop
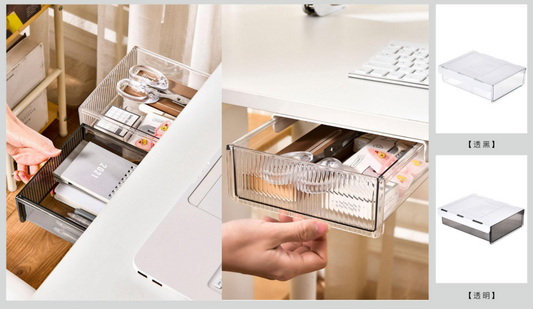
(184, 252)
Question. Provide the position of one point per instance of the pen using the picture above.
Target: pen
(79, 219)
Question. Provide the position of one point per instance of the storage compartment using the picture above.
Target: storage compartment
(123, 132)
(483, 75)
(262, 175)
(181, 78)
(35, 202)
(482, 217)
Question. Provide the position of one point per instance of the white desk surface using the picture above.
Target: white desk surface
(278, 59)
(100, 265)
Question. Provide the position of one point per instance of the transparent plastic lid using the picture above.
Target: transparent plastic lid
(483, 68)
(483, 75)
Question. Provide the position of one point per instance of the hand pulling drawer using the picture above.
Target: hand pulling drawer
(264, 175)
(35, 202)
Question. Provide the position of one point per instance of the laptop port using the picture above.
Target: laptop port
(140, 273)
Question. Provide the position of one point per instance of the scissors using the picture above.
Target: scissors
(149, 85)
(336, 147)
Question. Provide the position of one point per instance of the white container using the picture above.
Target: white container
(35, 115)
(483, 75)
(25, 69)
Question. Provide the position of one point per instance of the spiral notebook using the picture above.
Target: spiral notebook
(95, 170)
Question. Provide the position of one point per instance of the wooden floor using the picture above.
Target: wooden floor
(31, 252)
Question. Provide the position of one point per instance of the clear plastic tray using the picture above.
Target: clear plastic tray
(483, 75)
(482, 217)
(105, 95)
(347, 200)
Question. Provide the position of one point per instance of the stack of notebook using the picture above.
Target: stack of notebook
(90, 176)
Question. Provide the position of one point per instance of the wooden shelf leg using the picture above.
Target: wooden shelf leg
(10, 168)
(60, 59)
(346, 273)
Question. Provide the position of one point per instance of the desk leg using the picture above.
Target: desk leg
(386, 260)
(10, 168)
(346, 273)
(60, 59)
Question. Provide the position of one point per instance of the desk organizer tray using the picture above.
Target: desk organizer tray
(35, 202)
(105, 95)
(482, 217)
(344, 198)
(483, 75)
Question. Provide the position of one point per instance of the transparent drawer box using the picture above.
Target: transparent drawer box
(483, 75)
(105, 94)
(35, 202)
(482, 217)
(346, 199)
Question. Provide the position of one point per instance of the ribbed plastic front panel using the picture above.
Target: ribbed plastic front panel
(346, 199)
(306, 188)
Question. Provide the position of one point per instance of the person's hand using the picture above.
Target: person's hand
(273, 249)
(27, 147)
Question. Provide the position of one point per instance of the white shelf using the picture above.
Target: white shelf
(58, 73)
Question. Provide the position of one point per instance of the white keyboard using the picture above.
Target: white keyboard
(399, 63)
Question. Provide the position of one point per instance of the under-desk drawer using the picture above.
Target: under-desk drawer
(35, 202)
(107, 128)
(346, 198)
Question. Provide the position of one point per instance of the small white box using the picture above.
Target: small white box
(35, 115)
(483, 75)
(25, 69)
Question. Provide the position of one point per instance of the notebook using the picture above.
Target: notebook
(78, 199)
(95, 170)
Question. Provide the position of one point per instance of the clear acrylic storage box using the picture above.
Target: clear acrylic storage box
(483, 75)
(346, 199)
(35, 202)
(105, 95)
(482, 217)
